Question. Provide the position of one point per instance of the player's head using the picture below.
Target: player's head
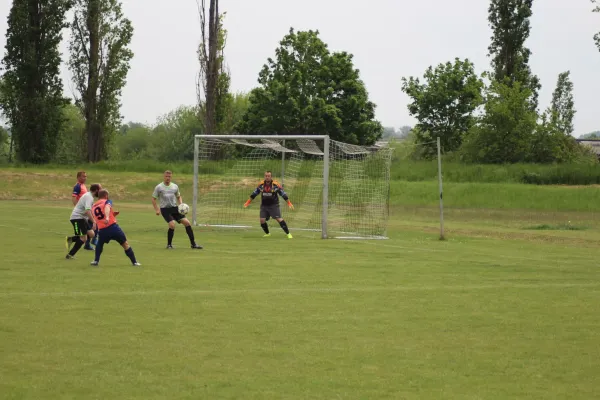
(167, 177)
(95, 188)
(103, 194)
(81, 176)
(268, 177)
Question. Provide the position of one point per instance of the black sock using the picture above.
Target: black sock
(170, 234)
(74, 239)
(190, 233)
(129, 253)
(87, 242)
(265, 227)
(284, 226)
(78, 243)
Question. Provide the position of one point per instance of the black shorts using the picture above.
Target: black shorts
(80, 227)
(270, 211)
(171, 214)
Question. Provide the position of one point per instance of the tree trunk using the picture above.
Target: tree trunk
(92, 127)
(212, 73)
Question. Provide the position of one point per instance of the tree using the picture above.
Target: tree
(100, 56)
(212, 78)
(597, 35)
(509, 20)
(32, 98)
(444, 104)
(308, 90)
(504, 133)
(591, 135)
(562, 110)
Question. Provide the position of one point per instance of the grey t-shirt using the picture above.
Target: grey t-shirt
(85, 203)
(166, 194)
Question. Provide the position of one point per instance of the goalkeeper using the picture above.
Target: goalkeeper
(270, 191)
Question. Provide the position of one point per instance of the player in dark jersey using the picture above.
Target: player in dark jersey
(270, 191)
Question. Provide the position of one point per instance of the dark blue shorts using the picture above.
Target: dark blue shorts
(113, 232)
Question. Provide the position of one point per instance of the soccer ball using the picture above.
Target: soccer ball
(183, 208)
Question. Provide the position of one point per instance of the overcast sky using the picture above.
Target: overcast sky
(390, 39)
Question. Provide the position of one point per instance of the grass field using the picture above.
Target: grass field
(506, 308)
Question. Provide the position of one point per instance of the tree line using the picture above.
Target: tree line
(304, 89)
(495, 117)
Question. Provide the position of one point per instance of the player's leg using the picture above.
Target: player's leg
(188, 229)
(88, 245)
(78, 239)
(122, 240)
(276, 213)
(167, 214)
(264, 214)
(103, 238)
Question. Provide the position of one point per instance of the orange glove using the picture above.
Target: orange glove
(290, 205)
(247, 203)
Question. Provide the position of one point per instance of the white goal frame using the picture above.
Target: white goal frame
(325, 186)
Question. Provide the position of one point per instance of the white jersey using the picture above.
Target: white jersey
(166, 194)
(84, 204)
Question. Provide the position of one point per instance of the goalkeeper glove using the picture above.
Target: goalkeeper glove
(290, 205)
(247, 203)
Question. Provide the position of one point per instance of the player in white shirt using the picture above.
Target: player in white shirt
(82, 213)
(168, 196)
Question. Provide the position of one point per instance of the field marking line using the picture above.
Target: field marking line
(373, 289)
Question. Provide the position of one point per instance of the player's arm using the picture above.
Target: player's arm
(90, 216)
(76, 192)
(154, 197)
(179, 198)
(283, 194)
(252, 196)
(107, 209)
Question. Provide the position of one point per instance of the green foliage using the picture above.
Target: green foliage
(308, 90)
(504, 133)
(444, 104)
(100, 60)
(563, 105)
(597, 35)
(509, 20)
(71, 146)
(4, 143)
(591, 135)
(32, 98)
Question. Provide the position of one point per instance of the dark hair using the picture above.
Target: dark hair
(103, 194)
(95, 188)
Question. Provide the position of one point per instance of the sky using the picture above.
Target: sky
(389, 39)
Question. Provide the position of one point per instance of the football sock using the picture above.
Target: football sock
(170, 234)
(265, 227)
(95, 239)
(190, 233)
(284, 226)
(87, 242)
(99, 248)
(78, 243)
(129, 253)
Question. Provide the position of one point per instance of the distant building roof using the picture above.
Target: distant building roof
(594, 144)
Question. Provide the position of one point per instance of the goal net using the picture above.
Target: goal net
(338, 189)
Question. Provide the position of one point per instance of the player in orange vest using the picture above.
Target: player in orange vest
(108, 229)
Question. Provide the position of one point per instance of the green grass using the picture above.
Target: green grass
(472, 317)
(402, 170)
(506, 307)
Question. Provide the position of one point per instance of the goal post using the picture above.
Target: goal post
(338, 189)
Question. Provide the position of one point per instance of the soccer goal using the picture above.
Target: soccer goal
(338, 189)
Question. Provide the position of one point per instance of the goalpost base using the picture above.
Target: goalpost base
(296, 230)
